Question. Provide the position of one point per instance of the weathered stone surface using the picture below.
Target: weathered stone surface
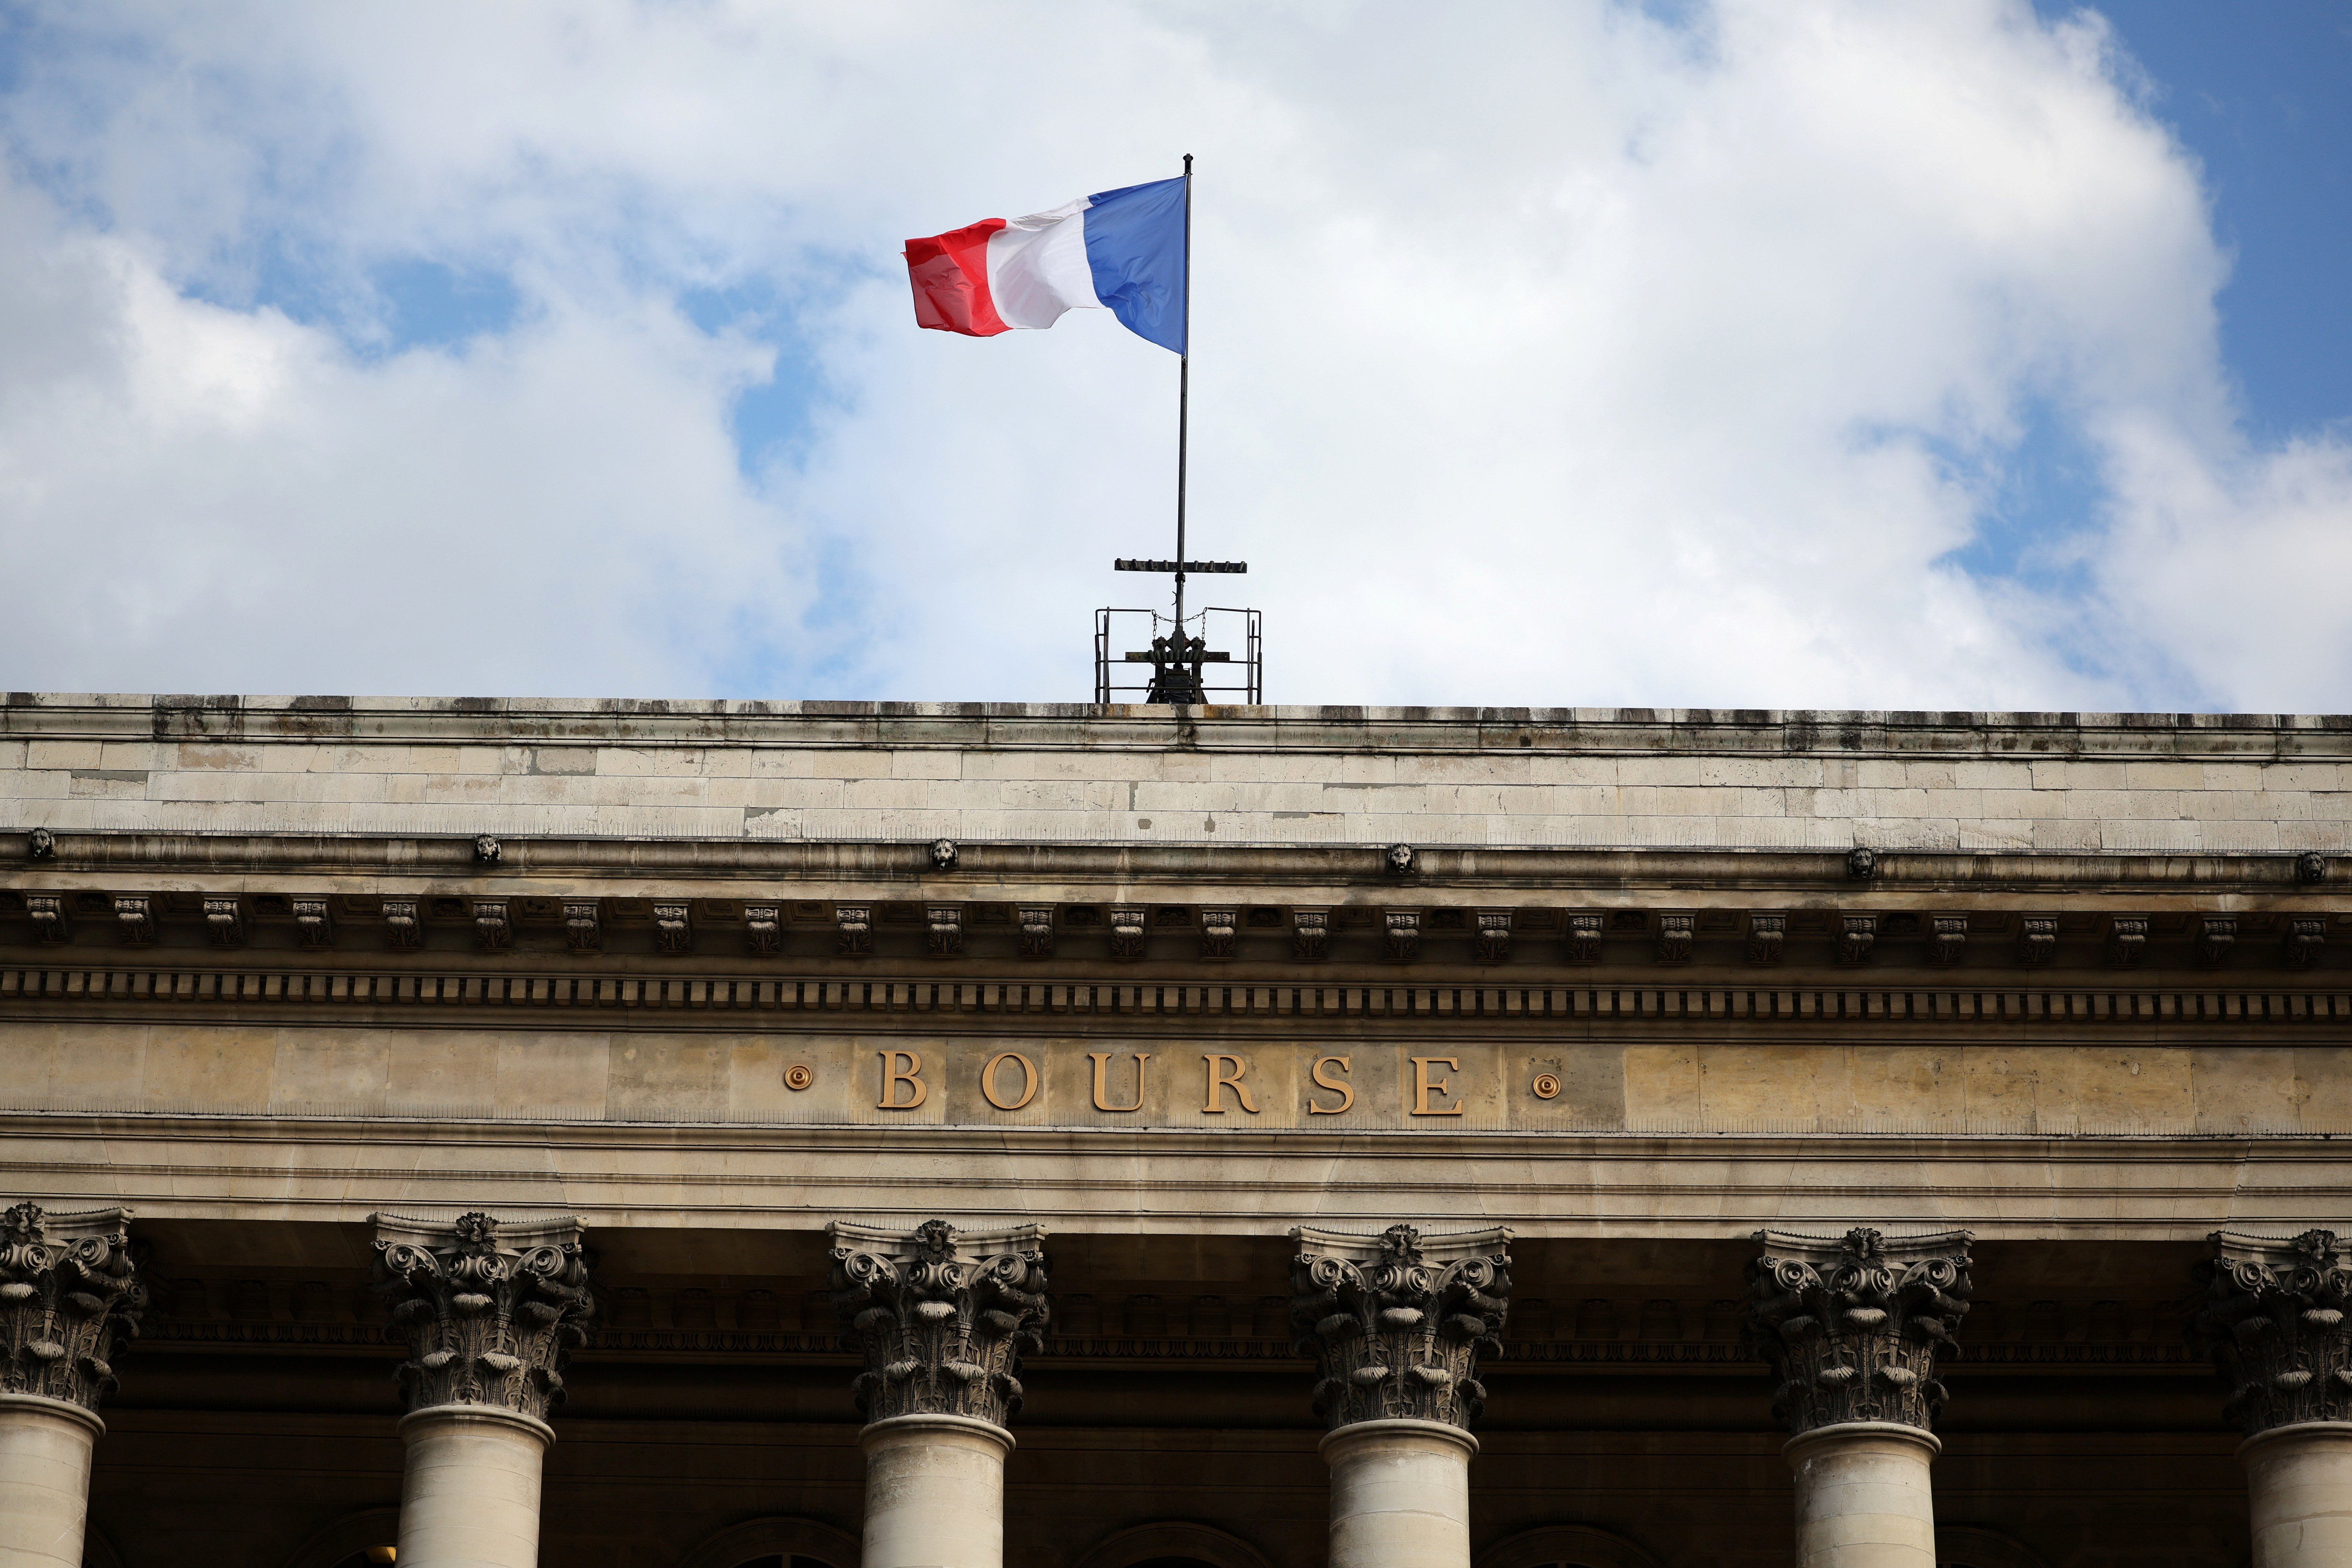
(1852, 1325)
(70, 1299)
(941, 1316)
(2161, 785)
(490, 1311)
(1396, 1322)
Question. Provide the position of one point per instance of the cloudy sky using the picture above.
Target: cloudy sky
(1959, 353)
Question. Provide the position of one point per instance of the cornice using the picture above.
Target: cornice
(1588, 731)
(1073, 871)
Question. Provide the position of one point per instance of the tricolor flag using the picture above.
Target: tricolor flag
(1120, 250)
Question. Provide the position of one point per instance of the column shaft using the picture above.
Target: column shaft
(1399, 1494)
(934, 1492)
(470, 1491)
(1864, 1500)
(2299, 1485)
(45, 1455)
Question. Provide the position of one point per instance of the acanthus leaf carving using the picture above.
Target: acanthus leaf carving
(1767, 934)
(2037, 940)
(2216, 935)
(1310, 934)
(1396, 1322)
(583, 925)
(70, 1299)
(489, 1318)
(674, 928)
(1852, 1325)
(493, 931)
(2275, 1318)
(2126, 939)
(941, 1316)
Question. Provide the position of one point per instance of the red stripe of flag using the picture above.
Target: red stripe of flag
(950, 272)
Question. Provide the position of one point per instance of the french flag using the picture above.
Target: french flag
(1121, 250)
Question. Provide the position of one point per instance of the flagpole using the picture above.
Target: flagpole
(1183, 394)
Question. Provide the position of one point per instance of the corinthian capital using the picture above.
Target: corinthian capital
(2274, 1320)
(69, 1298)
(490, 1311)
(1395, 1321)
(1852, 1325)
(941, 1315)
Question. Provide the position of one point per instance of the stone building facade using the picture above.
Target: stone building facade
(739, 1135)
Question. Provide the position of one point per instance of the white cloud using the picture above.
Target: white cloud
(1551, 354)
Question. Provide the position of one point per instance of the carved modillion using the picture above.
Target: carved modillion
(1852, 1325)
(49, 921)
(2126, 939)
(1675, 936)
(225, 922)
(1491, 944)
(763, 929)
(401, 927)
(1310, 934)
(1403, 935)
(1396, 1322)
(1127, 932)
(1584, 933)
(674, 928)
(2305, 935)
(1219, 932)
(314, 923)
(1948, 938)
(583, 925)
(853, 930)
(490, 1310)
(1767, 934)
(1857, 934)
(941, 1316)
(493, 932)
(70, 1299)
(2216, 935)
(945, 934)
(2037, 940)
(1037, 938)
(134, 919)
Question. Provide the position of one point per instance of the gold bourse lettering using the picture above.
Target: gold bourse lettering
(1347, 1095)
(1422, 1087)
(892, 1077)
(1028, 1080)
(1102, 1067)
(1220, 1080)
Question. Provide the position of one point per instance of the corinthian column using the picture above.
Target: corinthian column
(2274, 1320)
(942, 1317)
(69, 1298)
(1852, 1326)
(490, 1313)
(1395, 1322)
